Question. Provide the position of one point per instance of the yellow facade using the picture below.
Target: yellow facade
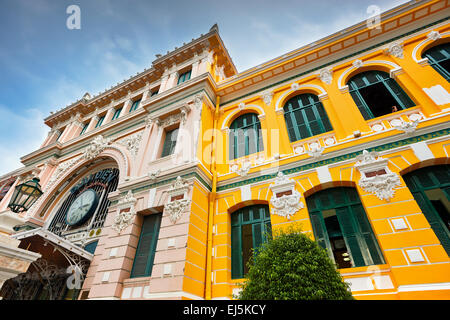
(407, 277)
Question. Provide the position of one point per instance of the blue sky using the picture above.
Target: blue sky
(44, 66)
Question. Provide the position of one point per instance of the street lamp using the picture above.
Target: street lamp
(25, 195)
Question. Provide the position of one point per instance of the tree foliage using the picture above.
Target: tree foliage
(291, 266)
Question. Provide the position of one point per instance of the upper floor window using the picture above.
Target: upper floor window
(305, 117)
(245, 136)
(439, 58)
(135, 105)
(100, 121)
(145, 252)
(84, 128)
(184, 77)
(376, 94)
(249, 228)
(341, 227)
(116, 114)
(170, 142)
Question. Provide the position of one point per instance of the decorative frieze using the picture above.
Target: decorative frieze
(376, 178)
(285, 199)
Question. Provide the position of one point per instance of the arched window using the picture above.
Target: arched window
(305, 117)
(249, 227)
(245, 136)
(376, 94)
(341, 227)
(430, 187)
(439, 58)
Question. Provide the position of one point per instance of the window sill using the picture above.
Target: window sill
(365, 270)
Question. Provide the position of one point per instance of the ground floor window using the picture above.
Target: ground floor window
(249, 228)
(341, 227)
(430, 187)
(145, 252)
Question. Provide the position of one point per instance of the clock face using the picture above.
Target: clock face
(82, 208)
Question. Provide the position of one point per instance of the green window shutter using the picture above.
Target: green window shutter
(373, 253)
(245, 136)
(145, 252)
(362, 105)
(237, 270)
(430, 178)
(305, 117)
(254, 219)
(434, 220)
(350, 233)
(320, 232)
(439, 59)
(370, 78)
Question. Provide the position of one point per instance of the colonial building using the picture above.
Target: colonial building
(159, 187)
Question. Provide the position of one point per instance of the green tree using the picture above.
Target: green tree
(291, 266)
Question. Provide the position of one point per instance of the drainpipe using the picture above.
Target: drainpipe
(211, 212)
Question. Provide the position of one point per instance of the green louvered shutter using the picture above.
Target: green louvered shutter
(350, 232)
(373, 252)
(434, 220)
(320, 233)
(145, 252)
(430, 178)
(237, 270)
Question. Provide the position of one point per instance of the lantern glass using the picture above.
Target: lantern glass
(25, 195)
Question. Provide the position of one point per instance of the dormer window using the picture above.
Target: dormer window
(154, 92)
(184, 77)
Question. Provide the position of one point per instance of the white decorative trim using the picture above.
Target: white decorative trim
(298, 87)
(175, 208)
(232, 114)
(358, 64)
(407, 127)
(326, 75)
(395, 49)
(381, 185)
(267, 97)
(97, 145)
(286, 205)
(431, 37)
(124, 218)
(132, 143)
(243, 171)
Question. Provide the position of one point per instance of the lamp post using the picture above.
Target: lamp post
(25, 195)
